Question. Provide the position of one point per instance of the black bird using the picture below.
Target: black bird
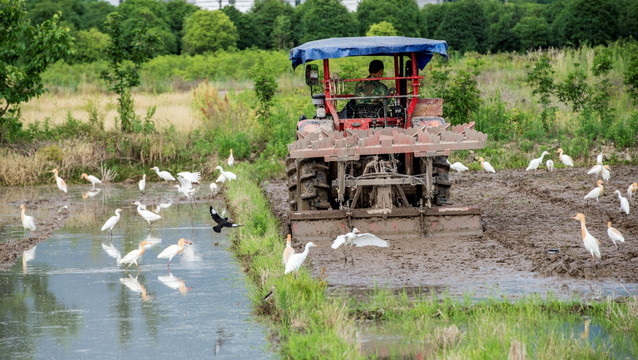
(221, 222)
(268, 296)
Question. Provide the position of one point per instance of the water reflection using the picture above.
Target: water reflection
(72, 300)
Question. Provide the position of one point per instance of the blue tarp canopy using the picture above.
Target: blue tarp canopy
(368, 45)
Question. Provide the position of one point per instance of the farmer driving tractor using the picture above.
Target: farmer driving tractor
(372, 87)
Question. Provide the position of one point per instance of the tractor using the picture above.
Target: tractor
(375, 162)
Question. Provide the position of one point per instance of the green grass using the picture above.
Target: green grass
(311, 324)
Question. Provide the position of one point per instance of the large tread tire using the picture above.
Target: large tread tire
(442, 184)
(308, 184)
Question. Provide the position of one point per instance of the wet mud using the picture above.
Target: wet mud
(525, 214)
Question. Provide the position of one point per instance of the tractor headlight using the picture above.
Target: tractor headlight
(321, 112)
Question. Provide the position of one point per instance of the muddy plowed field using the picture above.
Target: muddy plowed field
(525, 214)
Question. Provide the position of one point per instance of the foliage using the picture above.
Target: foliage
(325, 18)
(262, 17)
(153, 14)
(90, 46)
(459, 91)
(282, 33)
(589, 21)
(533, 32)
(25, 52)
(402, 14)
(265, 88)
(382, 28)
(208, 31)
(541, 80)
(631, 72)
(121, 76)
(464, 26)
(177, 13)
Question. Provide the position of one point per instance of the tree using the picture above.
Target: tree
(431, 16)
(25, 53)
(262, 17)
(383, 28)
(154, 14)
(282, 32)
(178, 11)
(125, 59)
(90, 45)
(533, 32)
(589, 21)
(464, 26)
(402, 14)
(245, 28)
(324, 19)
(208, 31)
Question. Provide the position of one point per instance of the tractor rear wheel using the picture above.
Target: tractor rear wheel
(442, 184)
(308, 184)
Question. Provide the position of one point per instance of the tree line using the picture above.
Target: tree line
(467, 25)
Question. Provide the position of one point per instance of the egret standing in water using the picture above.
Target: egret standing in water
(149, 216)
(142, 183)
(59, 181)
(164, 175)
(111, 222)
(133, 256)
(27, 221)
(173, 250)
(295, 260)
(92, 179)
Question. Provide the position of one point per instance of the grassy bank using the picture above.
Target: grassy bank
(309, 323)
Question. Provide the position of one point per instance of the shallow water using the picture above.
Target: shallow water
(71, 300)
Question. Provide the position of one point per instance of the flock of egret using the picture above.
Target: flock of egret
(186, 179)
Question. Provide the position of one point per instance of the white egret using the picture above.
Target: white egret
(27, 221)
(214, 188)
(486, 166)
(142, 183)
(231, 159)
(566, 159)
(624, 203)
(133, 256)
(59, 181)
(533, 165)
(173, 250)
(149, 216)
(631, 191)
(614, 234)
(591, 243)
(550, 165)
(357, 238)
(186, 187)
(295, 260)
(193, 177)
(164, 175)
(599, 159)
(92, 179)
(225, 175)
(161, 206)
(596, 192)
(112, 221)
(605, 173)
(458, 167)
(289, 250)
(595, 170)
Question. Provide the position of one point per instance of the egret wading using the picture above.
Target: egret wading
(149, 216)
(133, 256)
(173, 250)
(142, 184)
(27, 221)
(92, 179)
(59, 181)
(111, 222)
(164, 175)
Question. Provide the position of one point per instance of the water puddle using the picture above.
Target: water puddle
(67, 297)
